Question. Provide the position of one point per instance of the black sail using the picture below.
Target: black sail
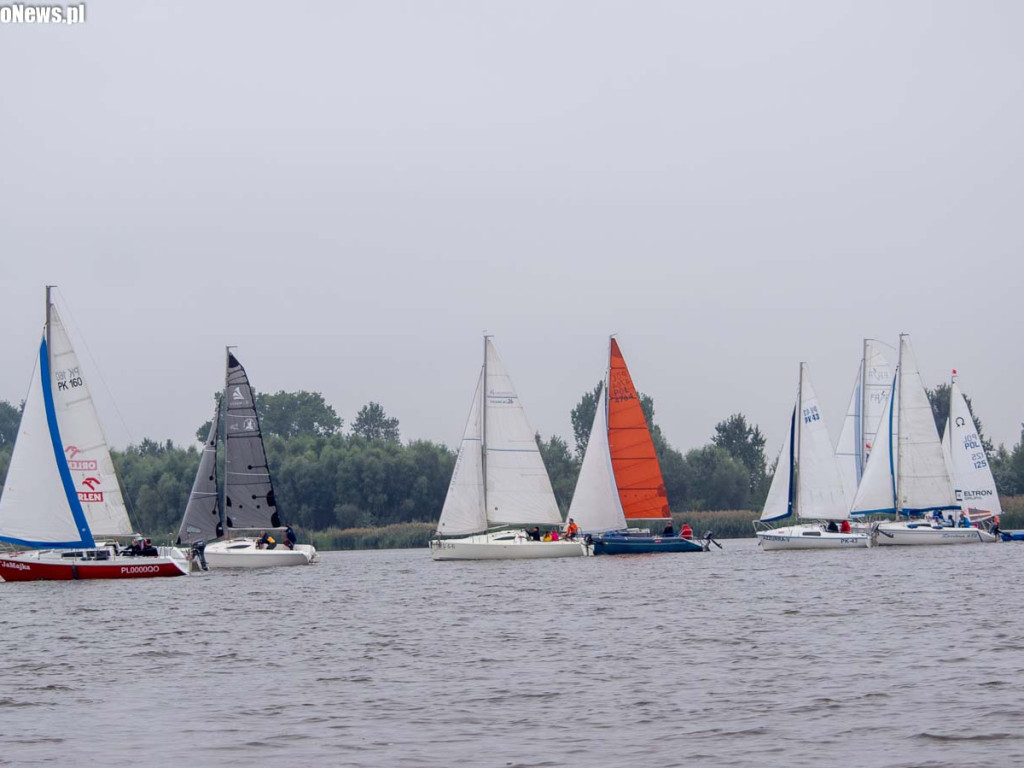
(202, 520)
(248, 493)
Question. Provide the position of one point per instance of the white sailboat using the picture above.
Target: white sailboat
(249, 505)
(499, 481)
(61, 496)
(973, 484)
(870, 393)
(907, 475)
(807, 485)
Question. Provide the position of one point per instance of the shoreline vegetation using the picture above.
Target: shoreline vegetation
(360, 486)
(726, 524)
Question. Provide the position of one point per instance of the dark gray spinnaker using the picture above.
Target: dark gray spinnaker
(203, 520)
(248, 493)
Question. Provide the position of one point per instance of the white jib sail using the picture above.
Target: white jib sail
(85, 447)
(596, 506)
(924, 483)
(463, 511)
(518, 487)
(857, 438)
(35, 508)
(877, 490)
(848, 451)
(972, 477)
(777, 503)
(819, 493)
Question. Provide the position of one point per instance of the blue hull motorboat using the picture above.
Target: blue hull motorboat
(620, 544)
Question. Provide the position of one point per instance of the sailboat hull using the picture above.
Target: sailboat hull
(897, 533)
(612, 544)
(243, 553)
(811, 537)
(507, 545)
(62, 565)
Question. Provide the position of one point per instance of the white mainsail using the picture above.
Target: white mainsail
(518, 489)
(88, 456)
(596, 506)
(911, 477)
(463, 511)
(807, 458)
(857, 437)
(973, 483)
(819, 492)
(499, 476)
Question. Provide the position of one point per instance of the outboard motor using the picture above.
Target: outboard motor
(199, 554)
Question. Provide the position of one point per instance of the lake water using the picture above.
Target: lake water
(883, 657)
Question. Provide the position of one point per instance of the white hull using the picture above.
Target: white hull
(811, 537)
(242, 553)
(506, 545)
(896, 533)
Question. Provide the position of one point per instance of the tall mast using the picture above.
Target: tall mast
(46, 328)
(859, 428)
(898, 393)
(795, 469)
(483, 424)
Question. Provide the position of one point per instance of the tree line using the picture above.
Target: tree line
(330, 477)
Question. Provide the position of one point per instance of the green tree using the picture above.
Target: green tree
(289, 414)
(10, 419)
(562, 468)
(372, 423)
(717, 479)
(745, 443)
(582, 417)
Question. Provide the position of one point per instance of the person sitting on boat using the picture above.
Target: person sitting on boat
(844, 526)
(964, 521)
(686, 532)
(138, 544)
(289, 537)
(571, 530)
(832, 527)
(669, 530)
(995, 525)
(534, 534)
(554, 535)
(546, 536)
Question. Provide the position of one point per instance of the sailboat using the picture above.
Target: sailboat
(807, 484)
(973, 484)
(907, 475)
(870, 392)
(62, 495)
(249, 505)
(499, 481)
(620, 479)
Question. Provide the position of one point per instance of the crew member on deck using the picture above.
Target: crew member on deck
(571, 529)
(686, 532)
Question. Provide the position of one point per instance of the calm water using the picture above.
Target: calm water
(886, 657)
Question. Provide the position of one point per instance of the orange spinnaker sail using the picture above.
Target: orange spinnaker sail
(634, 462)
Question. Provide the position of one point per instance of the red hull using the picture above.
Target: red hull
(14, 568)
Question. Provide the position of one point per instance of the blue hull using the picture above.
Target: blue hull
(642, 545)
(1012, 535)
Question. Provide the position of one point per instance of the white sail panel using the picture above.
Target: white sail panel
(877, 490)
(924, 482)
(35, 509)
(877, 385)
(778, 503)
(820, 494)
(85, 447)
(463, 511)
(848, 448)
(518, 487)
(973, 483)
(596, 506)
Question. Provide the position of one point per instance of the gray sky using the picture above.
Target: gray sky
(352, 192)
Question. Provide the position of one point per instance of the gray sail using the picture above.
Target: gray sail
(248, 493)
(202, 520)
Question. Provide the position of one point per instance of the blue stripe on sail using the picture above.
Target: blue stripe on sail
(923, 510)
(62, 464)
(46, 544)
(792, 457)
(892, 467)
(886, 511)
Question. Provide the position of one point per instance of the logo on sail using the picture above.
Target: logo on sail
(91, 495)
(87, 465)
(237, 395)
